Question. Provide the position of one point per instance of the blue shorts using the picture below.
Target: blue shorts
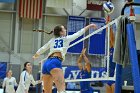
(90, 90)
(50, 64)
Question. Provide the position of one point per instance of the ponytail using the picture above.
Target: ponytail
(49, 32)
(56, 31)
(43, 31)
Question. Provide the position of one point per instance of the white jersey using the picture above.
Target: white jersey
(60, 44)
(26, 80)
(9, 83)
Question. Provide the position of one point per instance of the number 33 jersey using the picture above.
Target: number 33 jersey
(60, 44)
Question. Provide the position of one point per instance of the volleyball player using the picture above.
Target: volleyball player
(9, 83)
(26, 79)
(110, 85)
(52, 68)
(85, 72)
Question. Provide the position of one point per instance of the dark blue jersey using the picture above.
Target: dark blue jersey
(112, 65)
(85, 85)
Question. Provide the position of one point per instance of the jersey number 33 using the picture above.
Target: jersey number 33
(58, 43)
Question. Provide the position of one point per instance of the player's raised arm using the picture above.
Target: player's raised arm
(86, 60)
(79, 62)
(42, 50)
(81, 32)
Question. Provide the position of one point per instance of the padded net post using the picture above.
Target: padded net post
(133, 57)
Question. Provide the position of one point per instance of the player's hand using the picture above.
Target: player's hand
(26, 91)
(35, 56)
(84, 50)
(39, 81)
(93, 26)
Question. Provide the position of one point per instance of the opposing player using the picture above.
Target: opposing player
(52, 68)
(84, 73)
(110, 85)
(26, 79)
(9, 83)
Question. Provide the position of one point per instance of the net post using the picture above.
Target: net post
(118, 82)
(133, 57)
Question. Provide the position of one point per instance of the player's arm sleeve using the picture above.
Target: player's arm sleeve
(15, 82)
(81, 32)
(33, 81)
(76, 35)
(44, 48)
(4, 83)
(22, 77)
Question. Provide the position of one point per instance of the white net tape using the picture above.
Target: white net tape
(92, 79)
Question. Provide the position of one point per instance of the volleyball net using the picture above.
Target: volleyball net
(106, 57)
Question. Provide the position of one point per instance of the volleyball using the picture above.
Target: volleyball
(108, 7)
